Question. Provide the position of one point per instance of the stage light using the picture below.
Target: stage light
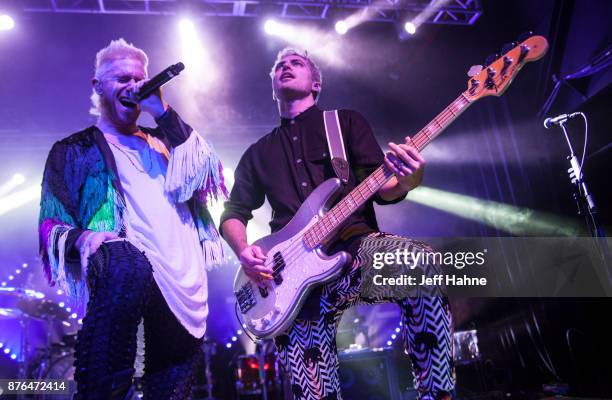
(1, 345)
(16, 180)
(234, 338)
(17, 199)
(228, 345)
(6, 22)
(24, 265)
(505, 217)
(13, 356)
(186, 25)
(341, 27)
(325, 45)
(201, 72)
(7, 350)
(389, 343)
(60, 291)
(271, 27)
(19, 178)
(61, 304)
(410, 27)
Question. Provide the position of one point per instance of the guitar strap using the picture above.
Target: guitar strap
(337, 152)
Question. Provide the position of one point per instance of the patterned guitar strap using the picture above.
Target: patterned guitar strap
(337, 152)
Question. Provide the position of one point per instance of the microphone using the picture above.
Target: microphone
(158, 80)
(559, 119)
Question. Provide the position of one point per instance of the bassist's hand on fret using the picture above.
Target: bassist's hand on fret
(406, 163)
(252, 259)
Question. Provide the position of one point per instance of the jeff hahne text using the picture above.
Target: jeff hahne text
(412, 260)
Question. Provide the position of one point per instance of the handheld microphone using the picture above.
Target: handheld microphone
(559, 119)
(158, 80)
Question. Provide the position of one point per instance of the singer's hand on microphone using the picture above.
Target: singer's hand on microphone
(153, 104)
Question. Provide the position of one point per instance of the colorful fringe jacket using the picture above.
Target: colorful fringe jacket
(81, 190)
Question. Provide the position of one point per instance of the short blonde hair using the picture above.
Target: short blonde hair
(314, 68)
(116, 50)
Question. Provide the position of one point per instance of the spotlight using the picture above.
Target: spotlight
(13, 356)
(186, 25)
(410, 27)
(389, 343)
(271, 27)
(7, 350)
(228, 345)
(6, 22)
(18, 178)
(341, 27)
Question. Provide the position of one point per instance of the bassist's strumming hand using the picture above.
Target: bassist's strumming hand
(252, 259)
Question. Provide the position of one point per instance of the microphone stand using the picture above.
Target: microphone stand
(585, 202)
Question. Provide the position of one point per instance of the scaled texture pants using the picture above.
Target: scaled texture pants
(123, 292)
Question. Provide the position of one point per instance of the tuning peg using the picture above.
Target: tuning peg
(524, 36)
(490, 59)
(507, 47)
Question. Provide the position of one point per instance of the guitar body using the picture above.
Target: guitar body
(270, 312)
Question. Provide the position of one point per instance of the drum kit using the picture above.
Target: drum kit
(53, 361)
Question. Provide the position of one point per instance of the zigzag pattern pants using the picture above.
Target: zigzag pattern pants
(308, 350)
(122, 292)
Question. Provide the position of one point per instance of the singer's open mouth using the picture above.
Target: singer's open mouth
(127, 103)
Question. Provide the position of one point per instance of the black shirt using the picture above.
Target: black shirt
(287, 164)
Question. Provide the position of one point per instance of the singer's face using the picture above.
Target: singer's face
(116, 85)
(292, 78)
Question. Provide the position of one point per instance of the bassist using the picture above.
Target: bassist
(285, 166)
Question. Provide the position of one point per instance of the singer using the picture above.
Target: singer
(124, 229)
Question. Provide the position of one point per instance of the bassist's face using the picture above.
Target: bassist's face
(293, 79)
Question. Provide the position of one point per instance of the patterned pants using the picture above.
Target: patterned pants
(122, 292)
(308, 350)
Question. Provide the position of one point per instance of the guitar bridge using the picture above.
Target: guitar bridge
(246, 298)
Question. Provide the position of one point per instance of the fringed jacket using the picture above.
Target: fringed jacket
(81, 191)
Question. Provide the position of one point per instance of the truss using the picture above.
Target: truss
(449, 12)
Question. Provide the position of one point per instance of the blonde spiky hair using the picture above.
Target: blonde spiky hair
(116, 50)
